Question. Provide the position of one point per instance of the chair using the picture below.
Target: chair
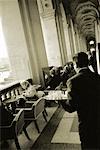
(14, 129)
(33, 109)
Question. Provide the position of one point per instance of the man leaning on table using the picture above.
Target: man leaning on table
(84, 97)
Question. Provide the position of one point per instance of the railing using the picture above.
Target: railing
(11, 90)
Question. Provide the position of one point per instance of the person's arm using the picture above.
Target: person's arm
(70, 105)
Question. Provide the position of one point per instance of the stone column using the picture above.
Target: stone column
(47, 14)
(60, 19)
(68, 46)
(67, 50)
(97, 34)
(82, 43)
(73, 37)
(34, 38)
(77, 38)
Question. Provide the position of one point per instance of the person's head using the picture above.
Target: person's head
(80, 60)
(71, 66)
(66, 69)
(57, 70)
(52, 71)
(24, 84)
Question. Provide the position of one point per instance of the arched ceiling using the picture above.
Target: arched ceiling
(84, 14)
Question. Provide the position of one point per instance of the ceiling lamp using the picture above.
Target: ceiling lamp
(91, 42)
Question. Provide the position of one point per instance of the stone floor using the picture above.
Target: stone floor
(59, 133)
(25, 144)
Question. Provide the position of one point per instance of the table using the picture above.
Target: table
(56, 95)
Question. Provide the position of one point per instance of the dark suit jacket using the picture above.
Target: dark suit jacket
(54, 81)
(6, 116)
(84, 97)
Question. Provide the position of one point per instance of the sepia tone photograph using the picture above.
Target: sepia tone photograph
(50, 74)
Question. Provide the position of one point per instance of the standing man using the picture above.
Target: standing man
(84, 97)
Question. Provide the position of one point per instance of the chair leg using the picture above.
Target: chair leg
(44, 115)
(17, 143)
(36, 125)
(45, 112)
(26, 134)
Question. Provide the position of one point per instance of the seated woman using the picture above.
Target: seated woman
(30, 91)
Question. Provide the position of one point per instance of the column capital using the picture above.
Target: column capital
(46, 9)
(48, 14)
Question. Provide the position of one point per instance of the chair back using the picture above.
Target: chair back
(16, 126)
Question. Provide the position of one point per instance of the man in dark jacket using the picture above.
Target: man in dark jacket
(84, 97)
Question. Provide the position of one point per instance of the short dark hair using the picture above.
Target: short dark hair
(81, 59)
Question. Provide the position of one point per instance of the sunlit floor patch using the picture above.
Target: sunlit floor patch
(64, 132)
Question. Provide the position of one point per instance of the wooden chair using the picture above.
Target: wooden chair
(14, 129)
(33, 109)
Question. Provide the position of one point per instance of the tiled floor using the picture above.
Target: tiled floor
(64, 133)
(25, 144)
(57, 134)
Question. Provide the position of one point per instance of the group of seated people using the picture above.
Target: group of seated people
(58, 76)
(55, 80)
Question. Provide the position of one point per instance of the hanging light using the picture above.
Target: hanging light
(91, 42)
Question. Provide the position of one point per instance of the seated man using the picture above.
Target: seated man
(54, 78)
(30, 91)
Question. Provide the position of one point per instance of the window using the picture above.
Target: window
(4, 60)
